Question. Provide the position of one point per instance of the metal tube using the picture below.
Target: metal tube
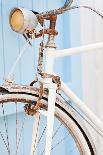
(35, 133)
(52, 54)
(49, 61)
(58, 11)
(50, 117)
(82, 106)
(76, 50)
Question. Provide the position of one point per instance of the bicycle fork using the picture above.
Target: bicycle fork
(50, 121)
(52, 87)
(50, 117)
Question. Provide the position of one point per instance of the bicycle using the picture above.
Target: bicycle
(47, 94)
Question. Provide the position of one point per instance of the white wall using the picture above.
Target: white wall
(92, 63)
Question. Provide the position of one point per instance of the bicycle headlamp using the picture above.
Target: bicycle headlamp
(22, 19)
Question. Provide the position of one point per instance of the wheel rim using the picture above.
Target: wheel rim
(73, 150)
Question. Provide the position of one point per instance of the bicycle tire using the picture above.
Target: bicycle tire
(66, 115)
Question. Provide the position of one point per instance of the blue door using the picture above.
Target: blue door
(10, 46)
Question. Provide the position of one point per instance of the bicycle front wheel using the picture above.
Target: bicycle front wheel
(69, 135)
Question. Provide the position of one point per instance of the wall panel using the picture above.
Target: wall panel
(11, 44)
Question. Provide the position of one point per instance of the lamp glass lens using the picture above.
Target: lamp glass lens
(17, 20)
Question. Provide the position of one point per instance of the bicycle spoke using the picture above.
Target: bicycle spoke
(4, 142)
(6, 129)
(35, 140)
(55, 133)
(72, 150)
(20, 136)
(16, 126)
(41, 137)
(44, 132)
(57, 130)
(57, 144)
(61, 141)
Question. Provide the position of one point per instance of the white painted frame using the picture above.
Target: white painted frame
(51, 54)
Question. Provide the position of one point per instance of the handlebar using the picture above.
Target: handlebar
(58, 11)
(25, 21)
(67, 6)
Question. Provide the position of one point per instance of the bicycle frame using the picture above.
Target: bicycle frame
(52, 87)
(67, 52)
(51, 54)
